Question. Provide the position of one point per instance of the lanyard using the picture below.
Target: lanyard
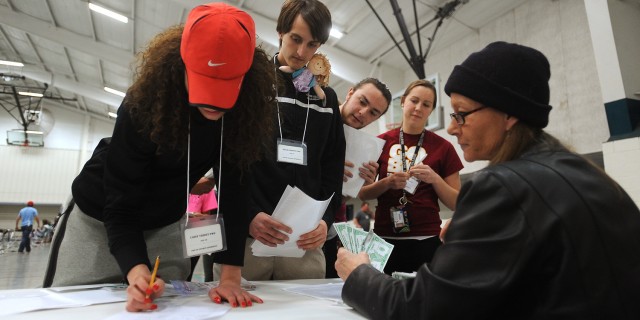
(218, 181)
(403, 200)
(278, 105)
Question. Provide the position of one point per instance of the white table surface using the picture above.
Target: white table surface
(278, 304)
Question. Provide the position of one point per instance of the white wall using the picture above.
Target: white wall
(625, 20)
(621, 163)
(560, 30)
(44, 175)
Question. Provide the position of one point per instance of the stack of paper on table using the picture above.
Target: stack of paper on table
(20, 301)
(358, 240)
(361, 148)
(301, 213)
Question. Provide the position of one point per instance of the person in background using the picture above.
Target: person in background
(302, 118)
(365, 103)
(203, 92)
(363, 217)
(540, 233)
(417, 168)
(44, 233)
(25, 220)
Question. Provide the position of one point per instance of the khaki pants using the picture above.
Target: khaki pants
(310, 266)
(83, 255)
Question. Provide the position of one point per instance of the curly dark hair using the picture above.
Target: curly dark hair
(158, 104)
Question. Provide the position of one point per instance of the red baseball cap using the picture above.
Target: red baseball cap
(30, 203)
(217, 48)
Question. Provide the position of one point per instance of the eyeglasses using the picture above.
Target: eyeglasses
(459, 116)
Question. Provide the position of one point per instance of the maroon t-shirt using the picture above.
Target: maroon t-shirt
(424, 211)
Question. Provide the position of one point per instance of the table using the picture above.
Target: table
(278, 304)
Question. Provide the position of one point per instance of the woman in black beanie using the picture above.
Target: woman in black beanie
(540, 233)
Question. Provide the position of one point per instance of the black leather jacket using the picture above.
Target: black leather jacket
(546, 236)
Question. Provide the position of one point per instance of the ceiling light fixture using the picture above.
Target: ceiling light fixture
(336, 33)
(112, 114)
(30, 94)
(11, 63)
(108, 13)
(114, 91)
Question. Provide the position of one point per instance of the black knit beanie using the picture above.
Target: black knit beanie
(506, 76)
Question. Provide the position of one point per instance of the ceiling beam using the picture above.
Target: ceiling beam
(67, 84)
(64, 37)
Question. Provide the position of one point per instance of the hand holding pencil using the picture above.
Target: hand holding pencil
(144, 286)
(153, 277)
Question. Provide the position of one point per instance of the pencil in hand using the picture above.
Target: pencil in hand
(153, 275)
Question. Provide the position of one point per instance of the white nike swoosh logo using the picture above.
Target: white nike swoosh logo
(211, 64)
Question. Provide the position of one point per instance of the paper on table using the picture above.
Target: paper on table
(89, 287)
(361, 148)
(301, 213)
(177, 308)
(329, 291)
(42, 299)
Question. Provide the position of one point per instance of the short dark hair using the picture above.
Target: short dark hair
(313, 12)
(380, 86)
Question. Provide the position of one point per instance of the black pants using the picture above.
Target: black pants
(330, 249)
(207, 265)
(409, 255)
(25, 243)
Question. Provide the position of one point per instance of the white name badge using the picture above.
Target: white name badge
(202, 236)
(412, 184)
(202, 240)
(292, 151)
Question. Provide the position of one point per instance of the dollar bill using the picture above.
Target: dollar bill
(357, 240)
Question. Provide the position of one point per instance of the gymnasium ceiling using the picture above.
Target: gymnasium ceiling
(75, 52)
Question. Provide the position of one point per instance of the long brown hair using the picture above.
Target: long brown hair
(157, 101)
(517, 140)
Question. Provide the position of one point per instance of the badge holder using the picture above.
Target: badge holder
(400, 216)
(203, 234)
(292, 151)
(412, 184)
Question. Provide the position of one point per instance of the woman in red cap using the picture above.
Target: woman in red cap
(131, 196)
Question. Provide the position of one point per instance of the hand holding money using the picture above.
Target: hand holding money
(348, 261)
(357, 240)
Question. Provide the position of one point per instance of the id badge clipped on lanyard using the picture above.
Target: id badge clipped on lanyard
(203, 234)
(400, 217)
(292, 151)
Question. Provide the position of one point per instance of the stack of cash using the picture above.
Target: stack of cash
(357, 240)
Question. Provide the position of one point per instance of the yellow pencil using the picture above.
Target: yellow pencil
(153, 274)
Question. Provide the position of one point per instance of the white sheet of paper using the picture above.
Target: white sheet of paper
(177, 308)
(329, 291)
(42, 299)
(361, 148)
(301, 213)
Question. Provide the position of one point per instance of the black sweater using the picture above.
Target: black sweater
(131, 188)
(322, 176)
